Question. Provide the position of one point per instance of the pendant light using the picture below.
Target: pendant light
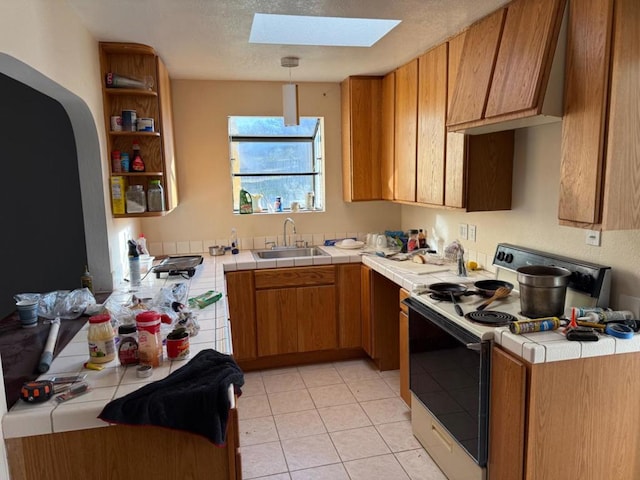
(290, 94)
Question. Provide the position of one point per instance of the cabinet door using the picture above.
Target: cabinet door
(166, 121)
(507, 416)
(388, 134)
(361, 120)
(348, 294)
(316, 314)
(365, 310)
(242, 314)
(524, 59)
(432, 112)
(585, 107)
(277, 321)
(406, 125)
(476, 67)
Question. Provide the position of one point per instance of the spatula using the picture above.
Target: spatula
(500, 292)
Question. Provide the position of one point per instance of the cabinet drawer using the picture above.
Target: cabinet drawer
(404, 294)
(295, 277)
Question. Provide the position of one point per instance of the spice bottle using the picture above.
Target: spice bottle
(155, 196)
(86, 280)
(102, 347)
(116, 165)
(128, 345)
(125, 163)
(149, 338)
(137, 164)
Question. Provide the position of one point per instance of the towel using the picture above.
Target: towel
(194, 398)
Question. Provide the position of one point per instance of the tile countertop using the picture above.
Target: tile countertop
(115, 380)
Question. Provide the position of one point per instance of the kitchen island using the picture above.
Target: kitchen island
(67, 440)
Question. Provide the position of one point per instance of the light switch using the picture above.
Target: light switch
(472, 233)
(462, 231)
(593, 238)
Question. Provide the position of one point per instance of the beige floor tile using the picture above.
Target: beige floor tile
(257, 430)
(390, 374)
(385, 467)
(283, 382)
(398, 436)
(315, 366)
(356, 370)
(344, 417)
(252, 407)
(288, 402)
(253, 385)
(299, 424)
(419, 465)
(280, 476)
(278, 371)
(374, 389)
(263, 459)
(307, 452)
(386, 410)
(359, 443)
(321, 376)
(331, 395)
(393, 383)
(327, 472)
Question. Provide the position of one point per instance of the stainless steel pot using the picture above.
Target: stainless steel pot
(543, 290)
(216, 250)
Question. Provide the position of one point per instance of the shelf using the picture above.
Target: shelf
(144, 214)
(129, 91)
(137, 174)
(134, 134)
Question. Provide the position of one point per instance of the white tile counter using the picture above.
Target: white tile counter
(115, 380)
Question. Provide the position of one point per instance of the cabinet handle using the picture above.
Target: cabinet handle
(445, 441)
(474, 346)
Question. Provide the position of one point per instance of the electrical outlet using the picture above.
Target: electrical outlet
(462, 231)
(593, 238)
(472, 233)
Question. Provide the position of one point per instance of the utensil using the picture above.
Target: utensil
(455, 304)
(501, 292)
(487, 288)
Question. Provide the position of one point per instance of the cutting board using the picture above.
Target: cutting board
(417, 268)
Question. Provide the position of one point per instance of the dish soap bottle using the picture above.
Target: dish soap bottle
(246, 202)
(137, 164)
(86, 280)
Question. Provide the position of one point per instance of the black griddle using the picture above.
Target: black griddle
(178, 265)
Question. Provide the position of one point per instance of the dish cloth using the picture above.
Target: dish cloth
(194, 398)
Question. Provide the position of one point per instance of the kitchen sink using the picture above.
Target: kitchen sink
(289, 253)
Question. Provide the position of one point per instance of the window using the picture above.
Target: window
(269, 160)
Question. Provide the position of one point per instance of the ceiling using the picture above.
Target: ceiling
(209, 39)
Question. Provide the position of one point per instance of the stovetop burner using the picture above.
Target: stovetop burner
(490, 317)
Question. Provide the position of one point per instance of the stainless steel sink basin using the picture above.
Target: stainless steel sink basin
(289, 253)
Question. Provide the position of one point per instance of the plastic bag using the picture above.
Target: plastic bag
(64, 304)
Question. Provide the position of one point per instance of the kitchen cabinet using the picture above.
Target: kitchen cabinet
(406, 131)
(361, 107)
(156, 147)
(242, 314)
(539, 427)
(403, 333)
(505, 66)
(277, 321)
(348, 288)
(599, 185)
(387, 137)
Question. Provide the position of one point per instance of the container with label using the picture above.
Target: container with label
(125, 163)
(149, 338)
(129, 120)
(413, 242)
(145, 124)
(117, 195)
(101, 338)
(128, 345)
(116, 162)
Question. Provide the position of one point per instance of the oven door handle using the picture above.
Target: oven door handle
(475, 346)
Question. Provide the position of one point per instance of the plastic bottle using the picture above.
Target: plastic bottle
(86, 280)
(413, 242)
(136, 200)
(142, 245)
(134, 264)
(246, 202)
(155, 196)
(137, 164)
(125, 163)
(609, 315)
(149, 338)
(101, 338)
(422, 239)
(277, 205)
(234, 242)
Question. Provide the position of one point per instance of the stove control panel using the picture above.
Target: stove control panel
(588, 278)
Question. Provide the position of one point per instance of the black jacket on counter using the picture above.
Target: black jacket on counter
(193, 398)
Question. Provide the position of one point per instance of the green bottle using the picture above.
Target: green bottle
(246, 202)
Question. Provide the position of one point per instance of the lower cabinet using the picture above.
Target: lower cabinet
(565, 419)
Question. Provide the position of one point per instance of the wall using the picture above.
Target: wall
(204, 216)
(532, 222)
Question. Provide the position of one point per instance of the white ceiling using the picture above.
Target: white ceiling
(209, 39)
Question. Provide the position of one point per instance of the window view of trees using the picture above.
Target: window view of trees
(272, 160)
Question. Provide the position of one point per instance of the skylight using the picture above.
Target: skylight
(320, 31)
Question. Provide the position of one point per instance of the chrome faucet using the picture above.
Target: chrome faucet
(287, 220)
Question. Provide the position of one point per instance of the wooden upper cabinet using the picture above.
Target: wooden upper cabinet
(477, 60)
(583, 126)
(406, 125)
(432, 112)
(388, 134)
(524, 60)
(361, 106)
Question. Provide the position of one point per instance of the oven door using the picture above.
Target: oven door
(449, 374)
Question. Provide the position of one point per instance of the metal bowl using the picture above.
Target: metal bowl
(216, 250)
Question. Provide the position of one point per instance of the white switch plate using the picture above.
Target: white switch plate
(593, 238)
(472, 233)
(462, 231)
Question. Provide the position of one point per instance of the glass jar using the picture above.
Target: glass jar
(155, 196)
(101, 338)
(149, 338)
(128, 345)
(136, 200)
(413, 243)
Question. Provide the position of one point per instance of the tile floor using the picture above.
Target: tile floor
(333, 421)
